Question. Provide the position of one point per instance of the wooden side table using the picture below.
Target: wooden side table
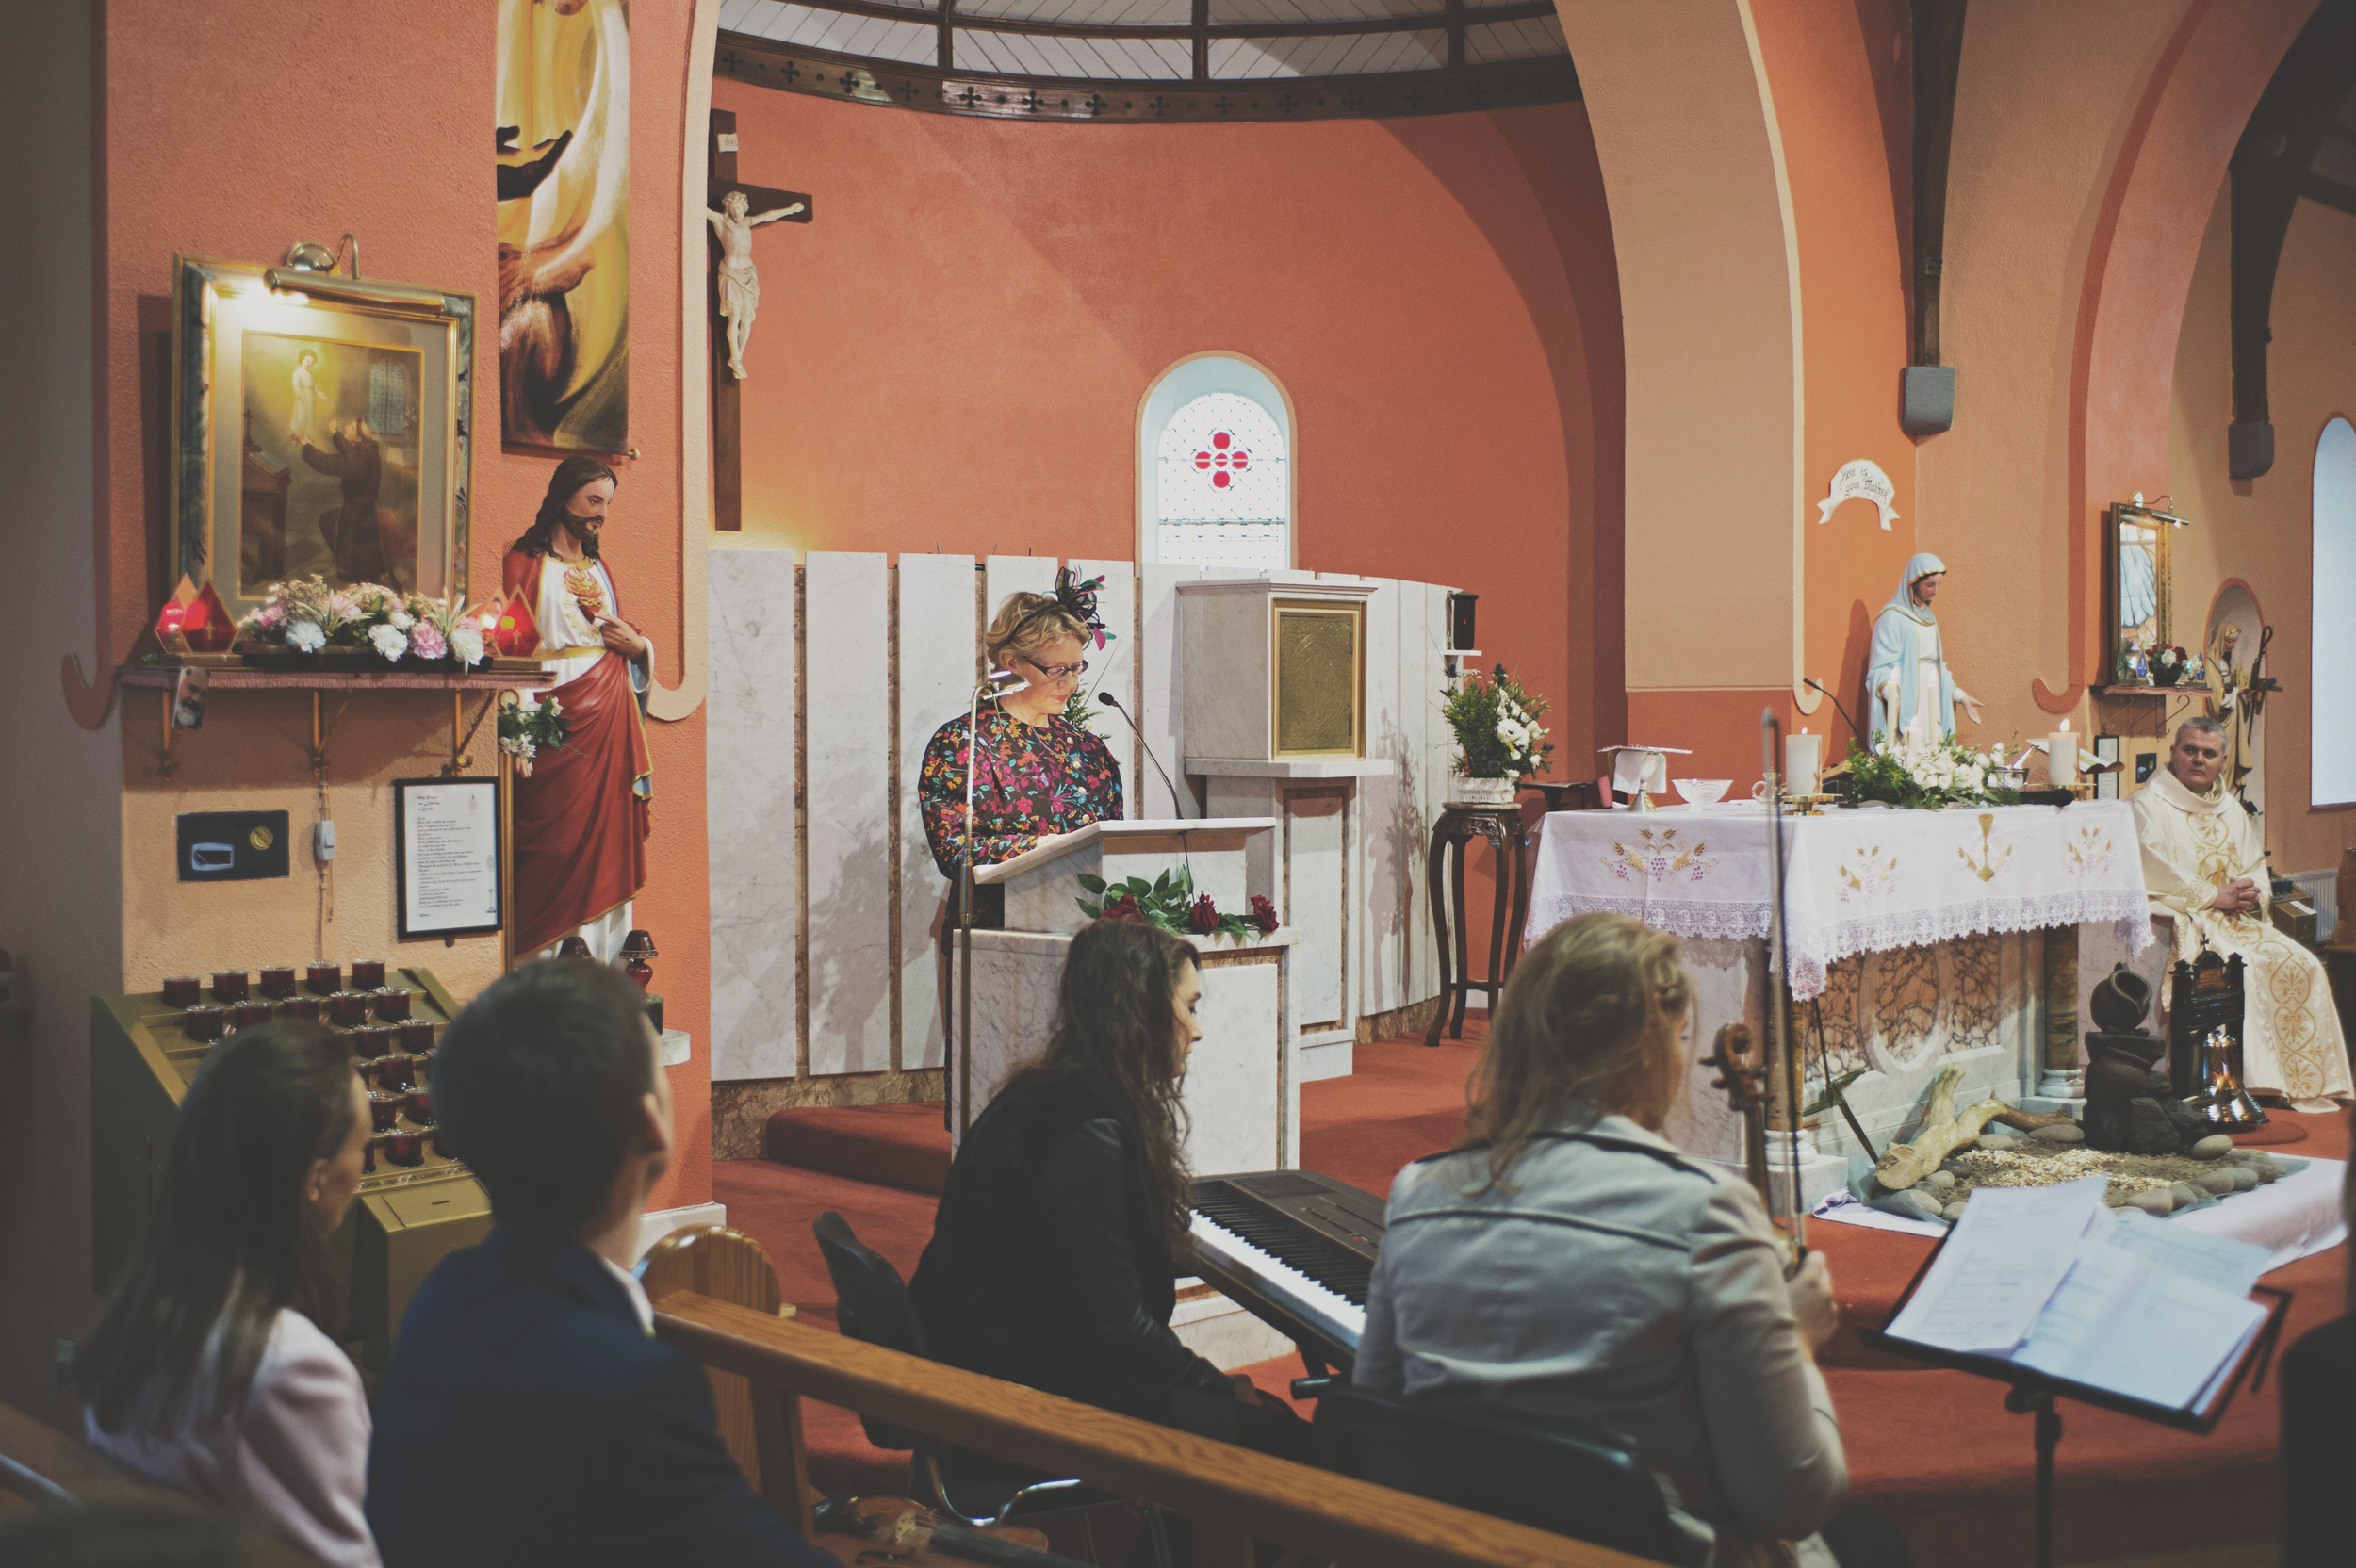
(1458, 826)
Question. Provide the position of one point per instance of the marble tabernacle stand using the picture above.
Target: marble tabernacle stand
(1919, 941)
(1243, 1089)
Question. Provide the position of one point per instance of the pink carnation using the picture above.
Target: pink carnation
(426, 641)
(270, 615)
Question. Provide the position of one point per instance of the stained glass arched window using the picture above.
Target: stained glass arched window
(1215, 460)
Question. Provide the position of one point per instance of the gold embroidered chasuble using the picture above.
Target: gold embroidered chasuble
(2193, 845)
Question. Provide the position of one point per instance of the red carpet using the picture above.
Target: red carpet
(893, 1146)
(1934, 1448)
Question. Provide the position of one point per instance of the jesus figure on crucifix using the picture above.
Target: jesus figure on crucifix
(740, 286)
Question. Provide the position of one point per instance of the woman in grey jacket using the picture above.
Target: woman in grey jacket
(1570, 1261)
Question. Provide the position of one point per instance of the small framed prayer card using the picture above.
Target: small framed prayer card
(446, 857)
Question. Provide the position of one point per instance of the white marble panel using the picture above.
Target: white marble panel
(748, 790)
(939, 643)
(848, 755)
(1016, 976)
(1314, 903)
(1161, 687)
(1236, 1083)
(1384, 812)
(1114, 668)
(1334, 1060)
(1015, 574)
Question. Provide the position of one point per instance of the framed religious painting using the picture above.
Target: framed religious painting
(322, 426)
(2135, 584)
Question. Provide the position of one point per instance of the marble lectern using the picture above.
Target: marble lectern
(1275, 726)
(1243, 1092)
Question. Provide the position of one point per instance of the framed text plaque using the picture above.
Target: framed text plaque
(446, 857)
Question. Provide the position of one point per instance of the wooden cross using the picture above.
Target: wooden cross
(727, 472)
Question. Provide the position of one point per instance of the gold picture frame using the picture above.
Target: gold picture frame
(1316, 678)
(321, 424)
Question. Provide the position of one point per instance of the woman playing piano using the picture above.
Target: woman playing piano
(1035, 773)
(1063, 1225)
(1569, 1262)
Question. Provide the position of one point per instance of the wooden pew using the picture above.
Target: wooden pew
(42, 1468)
(1232, 1496)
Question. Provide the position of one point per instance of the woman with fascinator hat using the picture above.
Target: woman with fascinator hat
(1035, 773)
(1907, 683)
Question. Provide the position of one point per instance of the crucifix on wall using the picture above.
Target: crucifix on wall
(732, 211)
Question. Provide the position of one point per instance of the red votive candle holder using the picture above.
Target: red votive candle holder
(322, 979)
(374, 1040)
(300, 1006)
(421, 1106)
(405, 1147)
(392, 1004)
(278, 982)
(392, 1073)
(416, 1035)
(246, 1014)
(367, 973)
(229, 985)
(183, 990)
(384, 1108)
(349, 1008)
(206, 1022)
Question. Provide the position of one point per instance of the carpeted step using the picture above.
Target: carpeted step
(892, 1146)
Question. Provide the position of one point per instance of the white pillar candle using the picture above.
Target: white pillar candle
(1802, 757)
(2061, 758)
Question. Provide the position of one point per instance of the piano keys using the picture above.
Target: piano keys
(1294, 1249)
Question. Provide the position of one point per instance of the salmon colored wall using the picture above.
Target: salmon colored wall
(2262, 531)
(229, 134)
(952, 356)
(1837, 67)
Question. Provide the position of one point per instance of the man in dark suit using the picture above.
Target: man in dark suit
(529, 1414)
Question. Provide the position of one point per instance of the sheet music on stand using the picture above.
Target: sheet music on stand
(2047, 1290)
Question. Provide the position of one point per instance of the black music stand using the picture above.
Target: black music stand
(2031, 1391)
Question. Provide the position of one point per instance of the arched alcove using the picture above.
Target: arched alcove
(1214, 465)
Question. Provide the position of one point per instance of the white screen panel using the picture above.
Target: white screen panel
(940, 641)
(847, 700)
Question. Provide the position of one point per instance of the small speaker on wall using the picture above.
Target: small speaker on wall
(1926, 399)
(2249, 448)
(1460, 623)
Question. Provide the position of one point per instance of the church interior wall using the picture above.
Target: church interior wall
(231, 131)
(2261, 531)
(61, 898)
(969, 383)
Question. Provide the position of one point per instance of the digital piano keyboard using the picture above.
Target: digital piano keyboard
(1294, 1249)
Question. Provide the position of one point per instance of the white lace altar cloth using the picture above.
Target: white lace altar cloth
(1860, 881)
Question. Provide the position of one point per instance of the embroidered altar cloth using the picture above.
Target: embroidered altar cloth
(1860, 881)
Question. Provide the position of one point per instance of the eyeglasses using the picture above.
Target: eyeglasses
(1058, 672)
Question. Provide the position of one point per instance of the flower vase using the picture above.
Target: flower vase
(2167, 674)
(1483, 792)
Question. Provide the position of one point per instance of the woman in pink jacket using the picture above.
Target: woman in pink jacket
(213, 1369)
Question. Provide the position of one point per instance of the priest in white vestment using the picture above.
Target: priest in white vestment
(1909, 687)
(2204, 864)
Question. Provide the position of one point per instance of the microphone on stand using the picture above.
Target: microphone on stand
(1779, 980)
(961, 1088)
(1862, 738)
(1181, 798)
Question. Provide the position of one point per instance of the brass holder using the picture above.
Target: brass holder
(2225, 1106)
(1808, 806)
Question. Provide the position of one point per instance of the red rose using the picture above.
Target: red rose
(1124, 907)
(1263, 913)
(1203, 916)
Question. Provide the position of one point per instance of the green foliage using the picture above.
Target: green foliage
(1167, 903)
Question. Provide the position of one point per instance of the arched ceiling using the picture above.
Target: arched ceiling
(1154, 59)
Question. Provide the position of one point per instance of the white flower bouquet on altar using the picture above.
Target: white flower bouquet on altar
(1926, 772)
(1496, 721)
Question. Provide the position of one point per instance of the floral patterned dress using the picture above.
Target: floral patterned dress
(1032, 781)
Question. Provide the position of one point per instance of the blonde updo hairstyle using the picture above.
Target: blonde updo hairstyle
(1596, 1011)
(1026, 623)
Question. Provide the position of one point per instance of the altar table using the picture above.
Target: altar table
(1916, 941)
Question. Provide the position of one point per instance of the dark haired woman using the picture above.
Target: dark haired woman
(581, 810)
(1062, 1229)
(212, 1369)
(1569, 1262)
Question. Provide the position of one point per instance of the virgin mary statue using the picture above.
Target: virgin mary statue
(1909, 687)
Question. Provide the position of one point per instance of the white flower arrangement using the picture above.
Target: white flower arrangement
(309, 614)
(389, 641)
(306, 636)
(1918, 770)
